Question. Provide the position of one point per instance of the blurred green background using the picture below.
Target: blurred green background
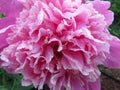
(13, 82)
(115, 27)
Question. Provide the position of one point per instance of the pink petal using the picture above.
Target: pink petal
(113, 59)
(86, 85)
(94, 85)
(76, 85)
(76, 59)
(5, 24)
(3, 35)
(102, 7)
(10, 7)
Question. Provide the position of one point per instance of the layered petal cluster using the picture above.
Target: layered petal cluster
(60, 43)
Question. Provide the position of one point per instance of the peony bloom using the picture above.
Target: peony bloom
(60, 43)
(11, 9)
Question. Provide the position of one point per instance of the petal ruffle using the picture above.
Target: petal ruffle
(102, 7)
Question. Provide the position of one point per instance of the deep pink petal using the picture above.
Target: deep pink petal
(94, 85)
(3, 36)
(86, 85)
(10, 7)
(5, 24)
(77, 85)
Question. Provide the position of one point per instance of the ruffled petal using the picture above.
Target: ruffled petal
(102, 7)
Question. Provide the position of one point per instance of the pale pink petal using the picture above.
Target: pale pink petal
(102, 7)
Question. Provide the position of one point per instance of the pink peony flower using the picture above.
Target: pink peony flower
(60, 43)
(11, 9)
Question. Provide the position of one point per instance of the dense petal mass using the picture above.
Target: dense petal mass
(60, 43)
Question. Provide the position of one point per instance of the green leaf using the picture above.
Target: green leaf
(2, 15)
(11, 81)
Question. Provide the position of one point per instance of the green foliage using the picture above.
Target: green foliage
(11, 82)
(115, 27)
(2, 15)
(115, 6)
